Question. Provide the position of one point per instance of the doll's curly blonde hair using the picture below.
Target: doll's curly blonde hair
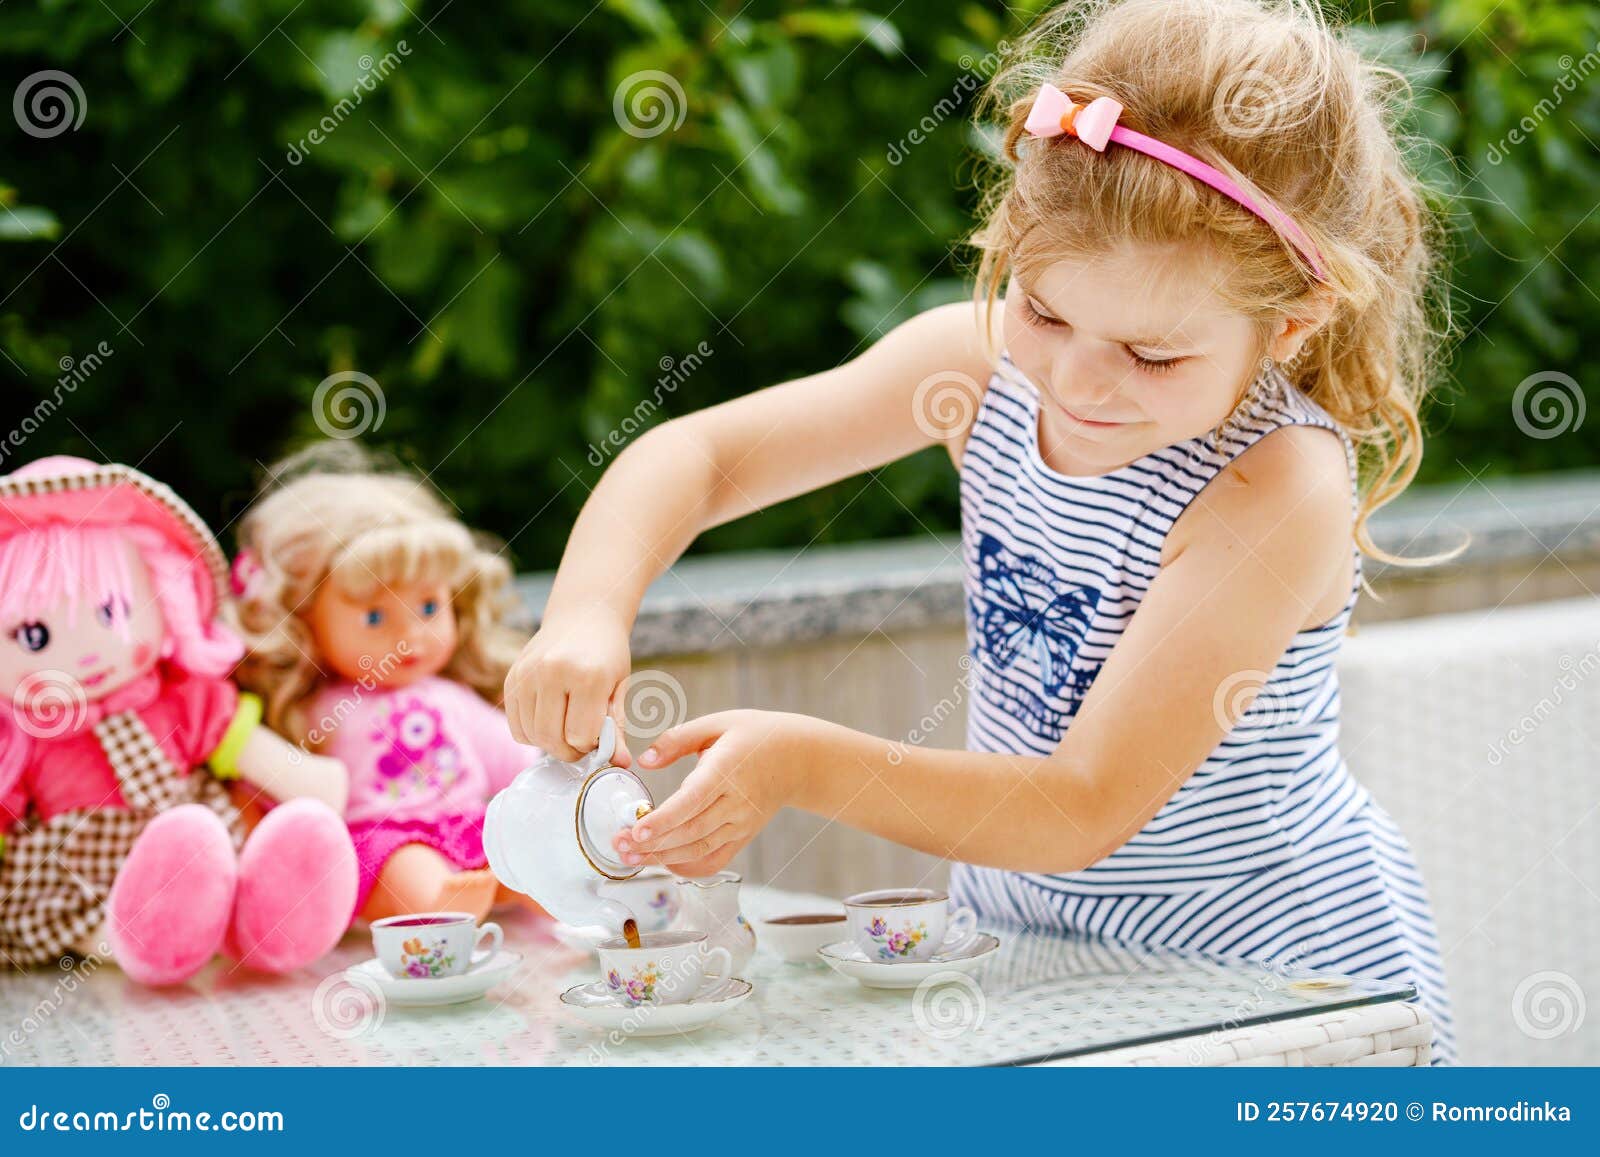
(1269, 93)
(336, 512)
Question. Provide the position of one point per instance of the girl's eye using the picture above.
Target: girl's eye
(33, 637)
(430, 608)
(1152, 366)
(374, 617)
(1033, 315)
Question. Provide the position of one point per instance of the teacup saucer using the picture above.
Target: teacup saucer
(580, 937)
(846, 957)
(595, 1004)
(470, 985)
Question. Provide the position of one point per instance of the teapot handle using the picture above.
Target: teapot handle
(607, 747)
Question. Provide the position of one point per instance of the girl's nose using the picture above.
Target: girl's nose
(90, 660)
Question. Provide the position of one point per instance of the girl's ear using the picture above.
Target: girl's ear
(1293, 331)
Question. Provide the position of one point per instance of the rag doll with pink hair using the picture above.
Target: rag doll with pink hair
(123, 743)
(377, 632)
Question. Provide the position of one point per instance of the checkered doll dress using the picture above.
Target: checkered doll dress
(1270, 850)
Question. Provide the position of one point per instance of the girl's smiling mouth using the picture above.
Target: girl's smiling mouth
(97, 678)
(1092, 423)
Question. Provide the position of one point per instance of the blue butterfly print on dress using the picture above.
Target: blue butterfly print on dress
(1024, 607)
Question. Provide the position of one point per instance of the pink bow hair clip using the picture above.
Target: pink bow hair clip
(1055, 114)
(245, 570)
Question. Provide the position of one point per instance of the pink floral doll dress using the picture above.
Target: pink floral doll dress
(424, 760)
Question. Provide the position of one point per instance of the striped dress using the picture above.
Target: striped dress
(1270, 850)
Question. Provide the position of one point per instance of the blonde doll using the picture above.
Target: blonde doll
(1205, 274)
(374, 625)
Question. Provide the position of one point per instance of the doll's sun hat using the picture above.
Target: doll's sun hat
(74, 492)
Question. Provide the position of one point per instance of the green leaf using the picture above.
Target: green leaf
(483, 319)
(648, 16)
(159, 61)
(27, 223)
(767, 71)
(361, 210)
(695, 255)
(755, 164)
(408, 252)
(845, 27)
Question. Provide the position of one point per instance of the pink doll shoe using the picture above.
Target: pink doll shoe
(171, 902)
(297, 888)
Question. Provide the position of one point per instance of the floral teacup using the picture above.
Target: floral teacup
(666, 968)
(905, 925)
(428, 945)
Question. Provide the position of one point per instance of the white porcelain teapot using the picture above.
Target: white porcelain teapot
(548, 834)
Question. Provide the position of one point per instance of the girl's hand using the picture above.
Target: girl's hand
(569, 677)
(752, 763)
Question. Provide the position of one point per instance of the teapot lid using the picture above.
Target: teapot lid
(610, 800)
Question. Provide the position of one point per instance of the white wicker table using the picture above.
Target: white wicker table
(1039, 1000)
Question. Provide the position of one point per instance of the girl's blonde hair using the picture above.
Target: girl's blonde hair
(337, 513)
(1266, 92)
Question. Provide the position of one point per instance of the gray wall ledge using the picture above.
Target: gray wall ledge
(723, 602)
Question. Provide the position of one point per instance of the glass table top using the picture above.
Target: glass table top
(1036, 998)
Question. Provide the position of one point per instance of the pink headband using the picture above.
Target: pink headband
(1095, 123)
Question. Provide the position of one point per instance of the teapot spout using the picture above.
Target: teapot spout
(611, 915)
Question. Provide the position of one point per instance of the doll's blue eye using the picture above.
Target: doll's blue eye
(33, 637)
(430, 608)
(374, 617)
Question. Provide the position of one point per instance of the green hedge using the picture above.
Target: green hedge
(442, 197)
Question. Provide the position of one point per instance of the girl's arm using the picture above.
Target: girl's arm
(1257, 550)
(711, 467)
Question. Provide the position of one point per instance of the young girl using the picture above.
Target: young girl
(1206, 265)
(374, 621)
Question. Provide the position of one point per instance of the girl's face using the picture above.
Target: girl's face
(83, 651)
(1132, 352)
(394, 636)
